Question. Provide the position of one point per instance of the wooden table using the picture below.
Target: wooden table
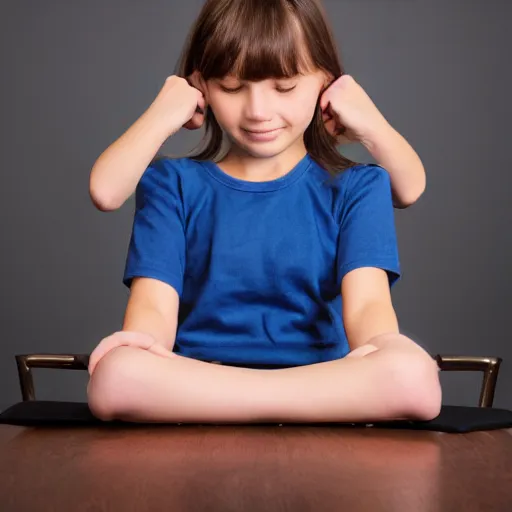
(253, 468)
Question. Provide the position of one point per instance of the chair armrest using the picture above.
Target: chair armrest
(26, 362)
(488, 365)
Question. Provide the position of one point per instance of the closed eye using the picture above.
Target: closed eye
(278, 89)
(225, 89)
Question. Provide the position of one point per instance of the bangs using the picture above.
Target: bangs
(255, 41)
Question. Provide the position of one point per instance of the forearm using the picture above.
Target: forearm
(392, 151)
(136, 385)
(369, 388)
(396, 380)
(118, 169)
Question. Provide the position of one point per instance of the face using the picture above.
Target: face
(283, 108)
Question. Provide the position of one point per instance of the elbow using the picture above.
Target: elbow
(101, 198)
(420, 189)
(401, 203)
(107, 390)
(414, 198)
(101, 396)
(101, 201)
(418, 388)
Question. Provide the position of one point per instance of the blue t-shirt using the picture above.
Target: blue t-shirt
(258, 265)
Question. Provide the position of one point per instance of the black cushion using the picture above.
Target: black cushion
(453, 418)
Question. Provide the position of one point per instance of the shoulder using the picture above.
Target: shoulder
(364, 180)
(357, 177)
(171, 173)
(165, 167)
(362, 187)
(363, 176)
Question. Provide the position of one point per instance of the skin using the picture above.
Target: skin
(385, 376)
(264, 105)
(267, 105)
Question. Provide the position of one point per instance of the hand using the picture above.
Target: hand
(362, 351)
(197, 119)
(180, 103)
(127, 338)
(348, 112)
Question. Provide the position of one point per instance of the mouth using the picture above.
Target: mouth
(262, 132)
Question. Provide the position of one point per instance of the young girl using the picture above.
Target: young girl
(275, 260)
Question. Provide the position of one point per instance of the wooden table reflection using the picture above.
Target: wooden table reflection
(249, 467)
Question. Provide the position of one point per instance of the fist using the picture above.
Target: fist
(349, 113)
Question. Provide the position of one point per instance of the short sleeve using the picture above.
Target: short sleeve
(157, 244)
(367, 226)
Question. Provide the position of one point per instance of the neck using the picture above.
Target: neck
(239, 164)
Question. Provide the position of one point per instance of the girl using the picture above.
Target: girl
(275, 260)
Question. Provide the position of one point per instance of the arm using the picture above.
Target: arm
(397, 380)
(394, 378)
(156, 257)
(395, 154)
(367, 307)
(153, 308)
(136, 385)
(118, 169)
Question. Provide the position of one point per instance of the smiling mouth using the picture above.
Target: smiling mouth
(261, 132)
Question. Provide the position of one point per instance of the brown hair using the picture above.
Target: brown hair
(258, 39)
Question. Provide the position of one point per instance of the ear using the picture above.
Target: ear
(197, 81)
(204, 89)
(328, 78)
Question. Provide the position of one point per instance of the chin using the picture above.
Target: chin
(264, 149)
(267, 152)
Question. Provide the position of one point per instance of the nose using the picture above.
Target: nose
(258, 106)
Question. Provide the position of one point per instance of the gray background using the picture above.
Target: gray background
(76, 75)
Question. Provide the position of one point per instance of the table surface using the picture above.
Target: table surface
(249, 467)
